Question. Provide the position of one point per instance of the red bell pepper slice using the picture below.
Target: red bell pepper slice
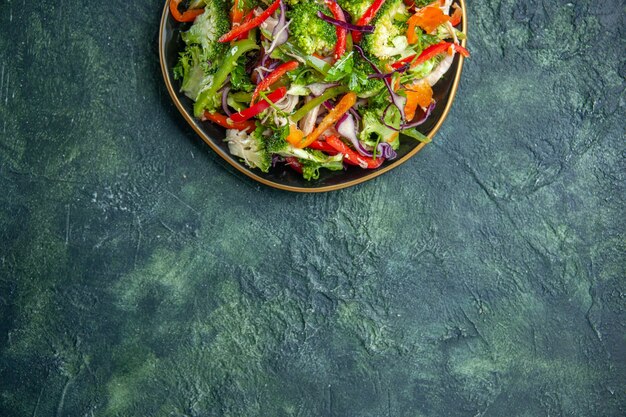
(252, 111)
(244, 35)
(324, 147)
(351, 157)
(429, 53)
(236, 13)
(188, 16)
(340, 47)
(367, 17)
(224, 121)
(235, 32)
(293, 162)
(273, 77)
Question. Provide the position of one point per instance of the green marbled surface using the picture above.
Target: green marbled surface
(140, 277)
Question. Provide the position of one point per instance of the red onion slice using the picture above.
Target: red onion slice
(386, 151)
(280, 35)
(404, 126)
(346, 25)
(225, 101)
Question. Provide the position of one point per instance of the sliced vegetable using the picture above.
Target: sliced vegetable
(235, 32)
(345, 25)
(293, 162)
(430, 52)
(226, 122)
(295, 135)
(330, 119)
(457, 16)
(273, 77)
(236, 13)
(252, 111)
(208, 96)
(304, 83)
(247, 18)
(324, 147)
(188, 16)
(396, 99)
(328, 94)
(340, 17)
(428, 18)
(419, 94)
(351, 157)
(280, 35)
(367, 17)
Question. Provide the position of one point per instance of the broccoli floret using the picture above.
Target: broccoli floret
(251, 4)
(239, 79)
(389, 38)
(207, 28)
(374, 131)
(311, 170)
(192, 68)
(249, 147)
(200, 59)
(356, 8)
(309, 32)
(359, 80)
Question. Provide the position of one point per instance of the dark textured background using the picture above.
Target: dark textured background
(140, 276)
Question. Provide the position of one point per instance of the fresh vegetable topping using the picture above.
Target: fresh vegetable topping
(268, 101)
(340, 17)
(238, 30)
(273, 77)
(316, 85)
(427, 18)
(367, 17)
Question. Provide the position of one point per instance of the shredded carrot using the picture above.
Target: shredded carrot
(331, 118)
(419, 94)
(427, 18)
(188, 16)
(236, 14)
(456, 17)
(295, 135)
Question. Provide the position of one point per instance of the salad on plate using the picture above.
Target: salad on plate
(316, 84)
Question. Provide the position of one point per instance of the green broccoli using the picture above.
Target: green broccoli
(192, 68)
(311, 169)
(207, 28)
(388, 39)
(359, 80)
(356, 8)
(309, 32)
(251, 4)
(374, 131)
(198, 62)
(239, 79)
(249, 147)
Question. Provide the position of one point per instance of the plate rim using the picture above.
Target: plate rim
(194, 123)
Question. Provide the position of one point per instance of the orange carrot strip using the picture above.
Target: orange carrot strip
(331, 118)
(188, 16)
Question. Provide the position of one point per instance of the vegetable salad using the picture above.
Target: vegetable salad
(316, 84)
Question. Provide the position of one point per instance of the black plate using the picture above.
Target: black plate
(283, 177)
